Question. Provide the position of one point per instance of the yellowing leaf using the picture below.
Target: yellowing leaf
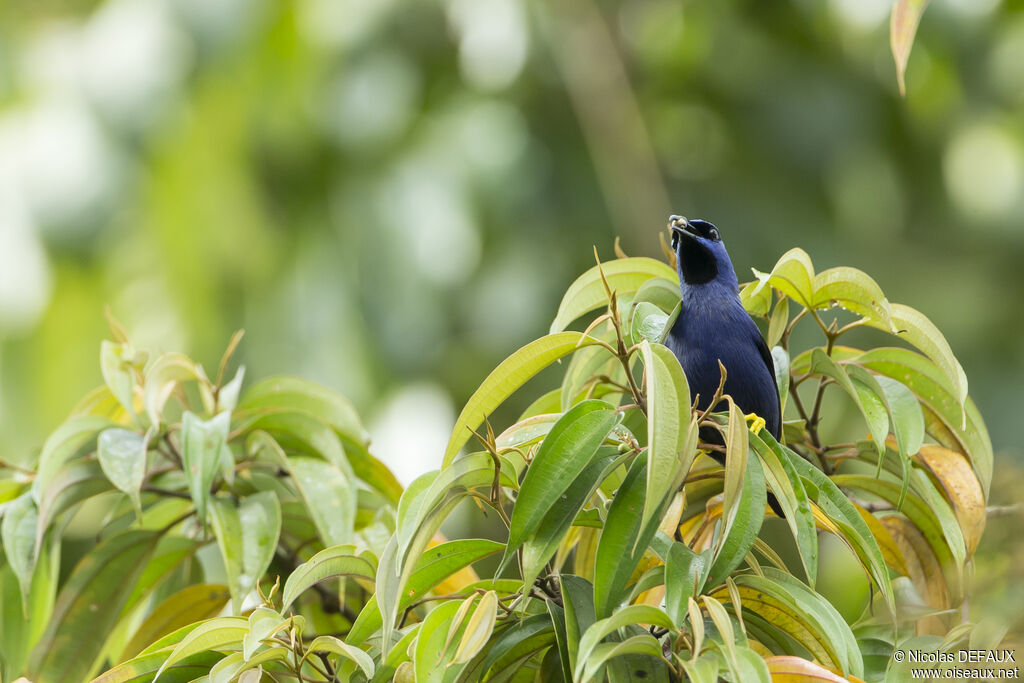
(191, 604)
(790, 669)
(890, 551)
(961, 488)
(922, 566)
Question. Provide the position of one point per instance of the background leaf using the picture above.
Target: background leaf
(122, 455)
(247, 535)
(201, 444)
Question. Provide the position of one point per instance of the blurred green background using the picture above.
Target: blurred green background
(391, 196)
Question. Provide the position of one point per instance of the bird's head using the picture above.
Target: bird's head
(700, 254)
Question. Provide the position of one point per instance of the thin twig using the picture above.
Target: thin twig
(1004, 510)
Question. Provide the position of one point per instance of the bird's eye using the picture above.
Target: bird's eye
(714, 234)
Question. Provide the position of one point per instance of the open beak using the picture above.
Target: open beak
(679, 227)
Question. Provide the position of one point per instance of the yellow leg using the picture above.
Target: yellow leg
(756, 422)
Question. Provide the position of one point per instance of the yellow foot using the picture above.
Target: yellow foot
(756, 422)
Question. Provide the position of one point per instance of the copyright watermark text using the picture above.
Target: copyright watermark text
(978, 665)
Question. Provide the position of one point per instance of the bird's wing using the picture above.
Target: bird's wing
(769, 362)
(766, 355)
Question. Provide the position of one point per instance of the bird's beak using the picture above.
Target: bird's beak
(680, 227)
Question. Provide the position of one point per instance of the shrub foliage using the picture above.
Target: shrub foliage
(241, 534)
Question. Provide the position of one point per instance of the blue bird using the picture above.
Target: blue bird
(713, 326)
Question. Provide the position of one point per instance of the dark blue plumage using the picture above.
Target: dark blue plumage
(713, 325)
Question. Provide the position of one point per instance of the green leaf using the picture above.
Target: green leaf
(566, 452)
(117, 372)
(201, 443)
(122, 455)
(561, 640)
(624, 539)
(785, 482)
(756, 298)
(703, 669)
(806, 616)
(227, 397)
(904, 415)
(247, 536)
(663, 292)
(432, 653)
(751, 667)
(902, 27)
(863, 394)
(433, 567)
(644, 645)
(943, 412)
(720, 618)
(527, 431)
(793, 275)
(336, 646)
(214, 634)
(543, 543)
(742, 520)
(143, 668)
(330, 497)
(263, 623)
(292, 394)
(578, 601)
(20, 628)
(934, 518)
(89, 606)
(170, 553)
(647, 323)
(685, 572)
(624, 276)
(516, 645)
(855, 291)
(778, 322)
(18, 532)
(511, 374)
(668, 408)
(913, 327)
(164, 374)
(62, 445)
(736, 452)
(339, 560)
(550, 402)
(372, 471)
(73, 483)
(634, 614)
(304, 434)
(191, 604)
(586, 366)
(781, 362)
(854, 529)
(422, 507)
(229, 668)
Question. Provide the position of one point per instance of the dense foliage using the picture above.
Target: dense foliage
(252, 531)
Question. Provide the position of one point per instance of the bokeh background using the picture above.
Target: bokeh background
(390, 196)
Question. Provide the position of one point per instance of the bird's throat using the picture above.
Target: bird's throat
(696, 263)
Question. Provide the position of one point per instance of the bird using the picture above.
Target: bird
(713, 327)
